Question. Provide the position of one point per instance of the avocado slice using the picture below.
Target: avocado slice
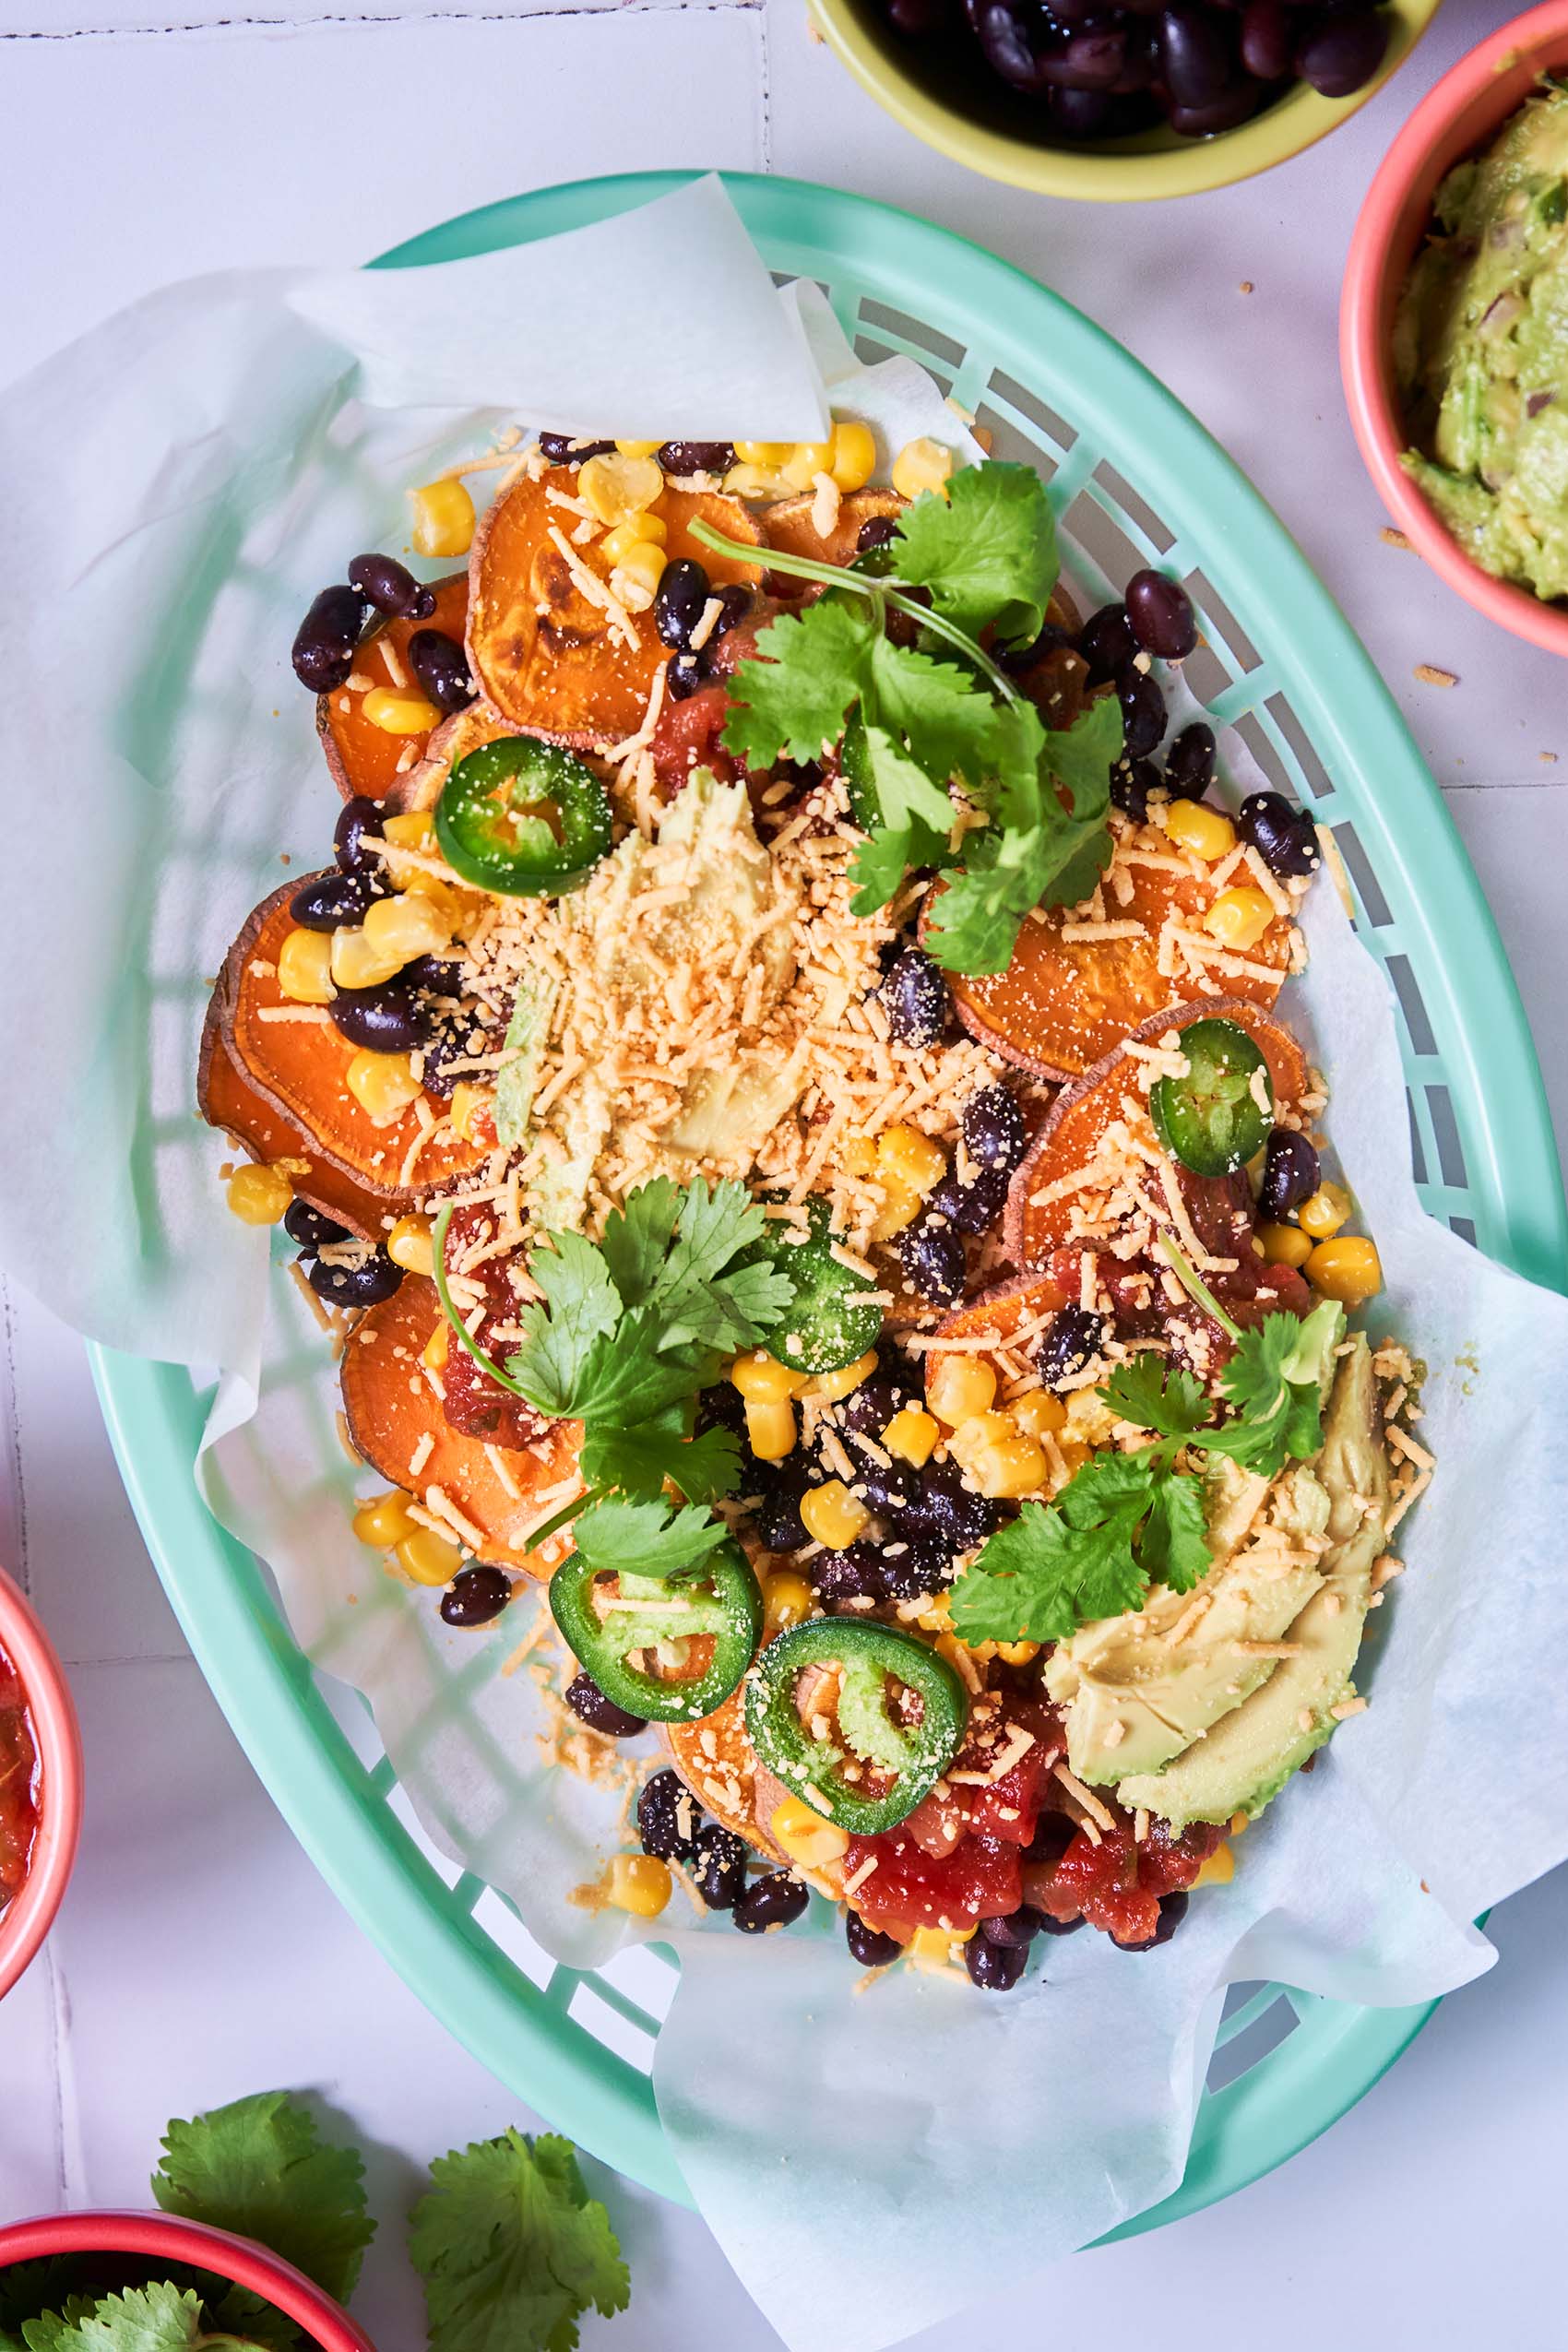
(1248, 1755)
(527, 1032)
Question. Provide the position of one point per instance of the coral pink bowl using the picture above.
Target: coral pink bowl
(1464, 112)
(26, 1920)
(164, 2237)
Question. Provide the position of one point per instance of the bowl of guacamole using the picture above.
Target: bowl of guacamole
(1454, 327)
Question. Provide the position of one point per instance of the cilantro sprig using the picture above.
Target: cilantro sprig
(512, 2248)
(986, 554)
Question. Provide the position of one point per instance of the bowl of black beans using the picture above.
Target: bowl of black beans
(1122, 100)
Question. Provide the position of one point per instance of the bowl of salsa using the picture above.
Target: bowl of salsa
(40, 1783)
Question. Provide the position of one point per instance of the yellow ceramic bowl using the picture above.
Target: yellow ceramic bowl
(980, 128)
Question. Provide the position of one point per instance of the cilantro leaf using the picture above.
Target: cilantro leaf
(1152, 1392)
(639, 1460)
(884, 857)
(647, 1539)
(581, 1307)
(259, 2167)
(1276, 1380)
(54, 2331)
(905, 792)
(987, 551)
(702, 1294)
(943, 712)
(795, 697)
(1119, 1520)
(1173, 1547)
(160, 2318)
(637, 1236)
(512, 2248)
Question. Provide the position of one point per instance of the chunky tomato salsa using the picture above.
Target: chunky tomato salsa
(19, 1783)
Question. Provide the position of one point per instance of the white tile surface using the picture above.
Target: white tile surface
(199, 1954)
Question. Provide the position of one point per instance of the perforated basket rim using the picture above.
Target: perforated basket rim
(154, 1412)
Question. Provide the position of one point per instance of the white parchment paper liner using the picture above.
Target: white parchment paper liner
(172, 489)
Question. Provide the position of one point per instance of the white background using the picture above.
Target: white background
(198, 1955)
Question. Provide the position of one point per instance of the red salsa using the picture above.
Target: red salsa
(19, 1783)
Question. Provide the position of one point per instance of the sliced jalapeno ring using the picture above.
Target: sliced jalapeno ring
(522, 818)
(1217, 1117)
(897, 1754)
(831, 1319)
(720, 1607)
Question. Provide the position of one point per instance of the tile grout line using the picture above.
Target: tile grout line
(367, 17)
(13, 1489)
(765, 48)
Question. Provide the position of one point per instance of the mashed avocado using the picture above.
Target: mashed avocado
(1481, 350)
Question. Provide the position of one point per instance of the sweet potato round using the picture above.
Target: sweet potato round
(716, 1753)
(420, 787)
(226, 1100)
(364, 758)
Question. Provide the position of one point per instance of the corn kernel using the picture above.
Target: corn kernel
(639, 1884)
(382, 1084)
(443, 519)
(859, 1156)
(385, 1522)
(763, 1381)
(1219, 1869)
(1074, 1454)
(469, 1106)
(1239, 917)
(972, 1436)
(428, 1558)
(399, 714)
(637, 574)
(959, 1655)
(1039, 1413)
(960, 1387)
(408, 1245)
(305, 968)
(834, 1386)
(936, 1948)
(437, 1347)
(412, 830)
(1208, 833)
(259, 1195)
(936, 1617)
(415, 923)
(755, 481)
(764, 453)
(1015, 1466)
(1017, 1653)
(854, 454)
(1327, 1210)
(638, 448)
(786, 1600)
(1349, 1269)
(921, 465)
(806, 461)
(832, 1515)
(357, 962)
(634, 532)
(805, 1837)
(613, 487)
(913, 1158)
(900, 1207)
(770, 1428)
(912, 1435)
(1285, 1244)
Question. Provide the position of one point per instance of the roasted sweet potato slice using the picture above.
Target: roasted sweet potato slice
(1081, 1113)
(1022, 1304)
(420, 787)
(1064, 1004)
(541, 649)
(295, 1058)
(226, 1100)
(789, 526)
(714, 1760)
(392, 1410)
(364, 758)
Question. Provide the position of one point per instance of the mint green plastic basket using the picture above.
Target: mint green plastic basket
(1134, 481)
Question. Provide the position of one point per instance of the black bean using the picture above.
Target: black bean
(914, 1563)
(1079, 114)
(918, 1000)
(1107, 643)
(867, 1410)
(1290, 1172)
(356, 818)
(869, 1946)
(1007, 35)
(948, 1512)
(331, 901)
(679, 603)
(388, 1019)
(391, 586)
(1194, 55)
(668, 1818)
(1073, 1336)
(1266, 38)
(441, 666)
(1053, 1833)
(1189, 764)
(878, 530)
(1132, 781)
(1161, 611)
(451, 1044)
(994, 1133)
(719, 1866)
(565, 449)
(586, 1699)
(888, 1486)
(1094, 58)
(476, 1596)
(683, 458)
(364, 1284)
(1172, 1912)
(734, 604)
(994, 1967)
(1285, 838)
(855, 1573)
(1019, 661)
(1018, 1929)
(684, 675)
(1047, 1925)
(1143, 710)
(770, 1902)
(1342, 50)
(435, 974)
(779, 1524)
(931, 1255)
(309, 1227)
(328, 638)
(1237, 102)
(972, 1208)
